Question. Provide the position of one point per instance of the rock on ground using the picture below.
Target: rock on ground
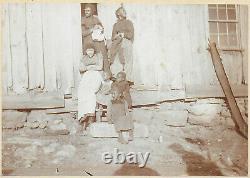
(173, 118)
(13, 119)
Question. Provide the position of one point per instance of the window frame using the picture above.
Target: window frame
(238, 30)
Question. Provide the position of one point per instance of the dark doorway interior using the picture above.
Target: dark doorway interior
(83, 7)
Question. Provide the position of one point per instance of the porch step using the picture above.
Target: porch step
(106, 130)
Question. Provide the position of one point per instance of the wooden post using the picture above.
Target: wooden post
(240, 124)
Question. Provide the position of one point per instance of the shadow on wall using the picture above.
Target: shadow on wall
(196, 164)
(134, 170)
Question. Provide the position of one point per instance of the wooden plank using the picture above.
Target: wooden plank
(197, 66)
(244, 35)
(232, 62)
(35, 45)
(76, 43)
(64, 57)
(49, 42)
(18, 47)
(240, 124)
(70, 106)
(7, 81)
(171, 49)
(198, 91)
(26, 101)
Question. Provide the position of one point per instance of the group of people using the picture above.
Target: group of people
(106, 71)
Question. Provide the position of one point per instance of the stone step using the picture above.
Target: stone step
(106, 130)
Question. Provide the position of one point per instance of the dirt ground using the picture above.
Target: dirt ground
(192, 150)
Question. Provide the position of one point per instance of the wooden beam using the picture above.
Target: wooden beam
(198, 91)
(40, 101)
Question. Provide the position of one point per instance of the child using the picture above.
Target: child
(123, 85)
(103, 96)
(120, 115)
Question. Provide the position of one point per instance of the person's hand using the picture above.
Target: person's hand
(121, 35)
(117, 36)
(98, 27)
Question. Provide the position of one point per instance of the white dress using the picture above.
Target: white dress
(90, 83)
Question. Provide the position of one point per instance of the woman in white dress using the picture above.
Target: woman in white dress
(91, 66)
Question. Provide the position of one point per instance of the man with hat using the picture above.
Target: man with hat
(121, 47)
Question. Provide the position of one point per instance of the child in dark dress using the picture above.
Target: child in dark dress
(120, 115)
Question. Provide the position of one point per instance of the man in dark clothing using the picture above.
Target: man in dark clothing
(90, 23)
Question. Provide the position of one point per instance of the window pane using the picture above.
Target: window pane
(232, 40)
(231, 14)
(230, 6)
(222, 14)
(214, 38)
(212, 6)
(213, 27)
(212, 14)
(222, 6)
(232, 28)
(223, 40)
(223, 28)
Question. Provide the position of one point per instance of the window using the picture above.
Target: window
(223, 25)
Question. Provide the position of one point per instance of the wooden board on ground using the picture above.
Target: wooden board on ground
(214, 91)
(41, 101)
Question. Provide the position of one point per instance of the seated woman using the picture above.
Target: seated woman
(91, 66)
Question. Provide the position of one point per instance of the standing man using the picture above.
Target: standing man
(91, 26)
(122, 45)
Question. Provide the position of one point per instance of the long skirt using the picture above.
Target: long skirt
(89, 85)
(127, 52)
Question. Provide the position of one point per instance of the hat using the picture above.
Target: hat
(119, 12)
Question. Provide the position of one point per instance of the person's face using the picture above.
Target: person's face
(122, 14)
(90, 52)
(120, 78)
(88, 12)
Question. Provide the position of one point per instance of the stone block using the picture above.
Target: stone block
(205, 109)
(105, 130)
(173, 118)
(13, 119)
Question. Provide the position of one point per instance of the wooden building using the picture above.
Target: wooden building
(42, 45)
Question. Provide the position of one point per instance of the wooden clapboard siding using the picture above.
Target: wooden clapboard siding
(63, 41)
(18, 47)
(49, 43)
(7, 82)
(173, 44)
(35, 45)
(38, 101)
(197, 66)
(244, 26)
(144, 42)
(76, 41)
(232, 62)
(169, 46)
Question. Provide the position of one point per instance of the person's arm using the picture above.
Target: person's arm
(115, 34)
(82, 66)
(129, 34)
(127, 96)
(86, 31)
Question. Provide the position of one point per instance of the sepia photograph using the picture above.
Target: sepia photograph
(124, 89)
